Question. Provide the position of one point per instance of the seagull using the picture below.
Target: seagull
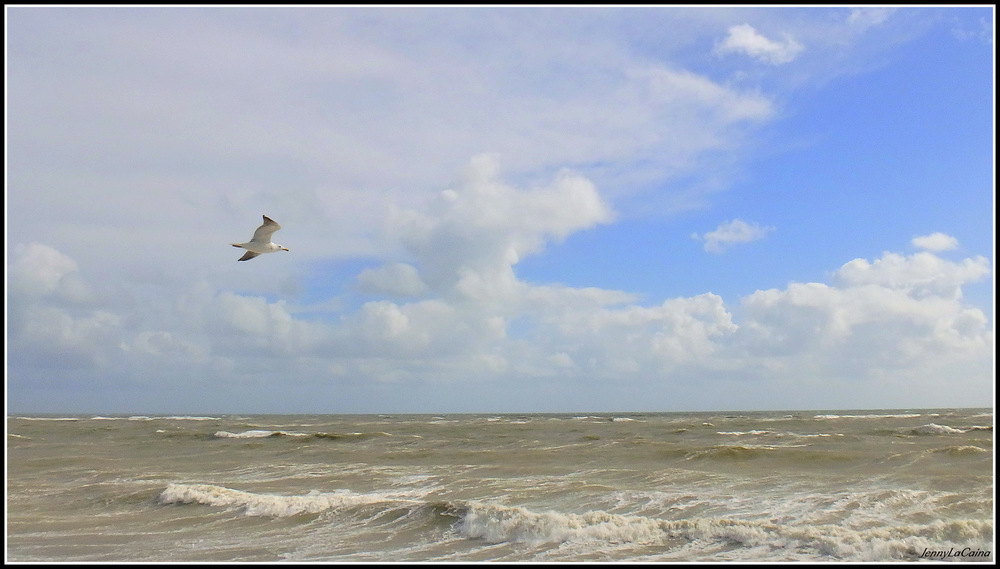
(261, 241)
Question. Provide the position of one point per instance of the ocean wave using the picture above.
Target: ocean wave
(276, 505)
(962, 450)
(48, 418)
(745, 452)
(871, 416)
(266, 433)
(496, 523)
(189, 418)
(257, 434)
(156, 418)
(129, 418)
(935, 429)
(738, 452)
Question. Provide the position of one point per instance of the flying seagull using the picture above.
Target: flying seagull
(261, 241)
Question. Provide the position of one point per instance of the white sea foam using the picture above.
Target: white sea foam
(276, 505)
(497, 523)
(190, 418)
(48, 418)
(813, 435)
(133, 418)
(257, 434)
(935, 429)
(141, 418)
(871, 416)
(742, 494)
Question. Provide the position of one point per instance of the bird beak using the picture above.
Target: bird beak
(286, 248)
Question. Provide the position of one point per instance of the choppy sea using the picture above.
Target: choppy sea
(895, 485)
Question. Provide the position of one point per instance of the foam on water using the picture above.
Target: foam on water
(257, 434)
(129, 418)
(275, 505)
(935, 429)
(871, 416)
(497, 523)
(718, 537)
(48, 418)
(489, 488)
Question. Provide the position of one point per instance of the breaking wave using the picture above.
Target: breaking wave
(935, 429)
(496, 523)
(264, 434)
(273, 505)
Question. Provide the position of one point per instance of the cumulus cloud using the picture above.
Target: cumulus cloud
(40, 270)
(344, 125)
(470, 237)
(743, 38)
(860, 331)
(935, 242)
(52, 318)
(896, 316)
(458, 312)
(730, 233)
(638, 340)
(923, 274)
(253, 323)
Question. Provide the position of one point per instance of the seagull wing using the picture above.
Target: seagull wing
(247, 256)
(264, 232)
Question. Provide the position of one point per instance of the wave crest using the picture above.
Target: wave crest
(272, 505)
(497, 523)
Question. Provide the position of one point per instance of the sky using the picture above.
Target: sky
(499, 209)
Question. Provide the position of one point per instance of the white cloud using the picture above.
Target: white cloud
(324, 133)
(936, 242)
(335, 125)
(897, 316)
(252, 325)
(637, 340)
(860, 332)
(735, 231)
(40, 270)
(395, 279)
(920, 275)
(159, 343)
(744, 39)
(49, 336)
(864, 18)
(470, 236)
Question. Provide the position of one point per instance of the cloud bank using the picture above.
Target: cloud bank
(456, 312)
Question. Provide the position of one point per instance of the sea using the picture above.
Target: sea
(776, 486)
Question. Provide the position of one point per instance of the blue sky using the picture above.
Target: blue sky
(499, 209)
